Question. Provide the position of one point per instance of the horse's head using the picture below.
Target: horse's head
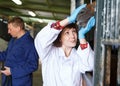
(85, 14)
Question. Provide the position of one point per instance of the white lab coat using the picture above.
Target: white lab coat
(57, 70)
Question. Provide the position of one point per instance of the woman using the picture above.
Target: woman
(62, 64)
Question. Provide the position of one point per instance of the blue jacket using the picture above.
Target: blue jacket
(22, 58)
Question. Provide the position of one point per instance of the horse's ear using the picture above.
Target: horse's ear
(91, 6)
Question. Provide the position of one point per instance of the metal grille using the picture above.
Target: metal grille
(107, 43)
(111, 20)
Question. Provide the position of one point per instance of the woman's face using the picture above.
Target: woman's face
(69, 37)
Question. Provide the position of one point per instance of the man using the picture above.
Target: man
(20, 58)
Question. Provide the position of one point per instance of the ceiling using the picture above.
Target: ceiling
(44, 9)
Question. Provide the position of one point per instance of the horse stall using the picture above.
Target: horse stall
(107, 43)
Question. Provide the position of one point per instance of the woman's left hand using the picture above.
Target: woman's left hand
(83, 31)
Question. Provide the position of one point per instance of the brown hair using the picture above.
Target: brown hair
(57, 42)
(17, 21)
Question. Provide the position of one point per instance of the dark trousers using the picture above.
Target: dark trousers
(8, 81)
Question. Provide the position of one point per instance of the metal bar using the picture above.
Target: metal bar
(108, 17)
(99, 48)
(90, 1)
(104, 20)
(107, 66)
(118, 68)
(117, 29)
(116, 20)
(113, 18)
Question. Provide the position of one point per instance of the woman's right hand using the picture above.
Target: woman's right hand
(74, 14)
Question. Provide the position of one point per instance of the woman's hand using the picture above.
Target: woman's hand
(74, 14)
(83, 31)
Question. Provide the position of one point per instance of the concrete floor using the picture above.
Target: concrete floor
(37, 78)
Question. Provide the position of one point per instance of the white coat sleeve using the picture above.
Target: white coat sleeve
(44, 40)
(87, 57)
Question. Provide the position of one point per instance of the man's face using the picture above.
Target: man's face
(12, 30)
